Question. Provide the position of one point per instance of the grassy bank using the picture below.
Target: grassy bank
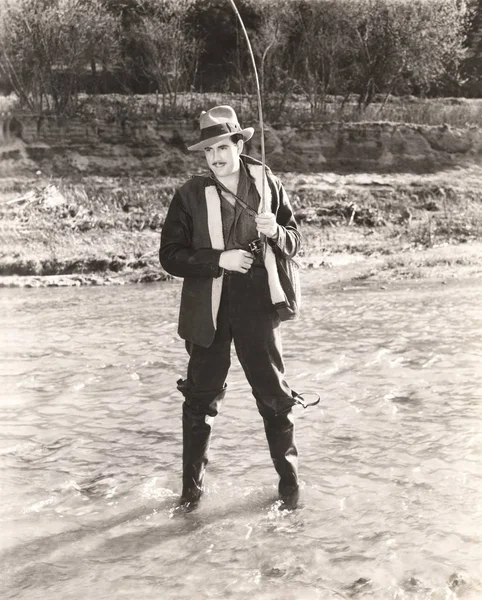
(106, 231)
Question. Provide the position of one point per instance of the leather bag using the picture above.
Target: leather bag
(289, 276)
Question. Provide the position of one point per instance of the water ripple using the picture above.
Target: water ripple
(90, 448)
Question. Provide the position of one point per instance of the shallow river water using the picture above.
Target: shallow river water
(390, 462)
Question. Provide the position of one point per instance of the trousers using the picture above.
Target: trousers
(247, 318)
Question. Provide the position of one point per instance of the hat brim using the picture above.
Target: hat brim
(246, 133)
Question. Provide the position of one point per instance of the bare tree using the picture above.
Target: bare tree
(404, 43)
(371, 47)
(325, 39)
(270, 45)
(169, 52)
(47, 45)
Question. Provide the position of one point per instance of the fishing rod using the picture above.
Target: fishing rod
(260, 105)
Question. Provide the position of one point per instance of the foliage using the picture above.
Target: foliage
(309, 48)
(406, 46)
(46, 44)
(224, 61)
(167, 52)
(322, 49)
(472, 66)
(270, 45)
(375, 46)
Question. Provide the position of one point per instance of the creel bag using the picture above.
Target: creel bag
(289, 276)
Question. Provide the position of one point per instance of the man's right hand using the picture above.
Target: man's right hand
(236, 260)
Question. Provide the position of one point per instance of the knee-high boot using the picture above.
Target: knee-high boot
(196, 435)
(280, 433)
(198, 412)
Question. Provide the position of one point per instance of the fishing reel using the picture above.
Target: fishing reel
(255, 247)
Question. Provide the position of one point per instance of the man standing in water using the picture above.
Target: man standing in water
(231, 291)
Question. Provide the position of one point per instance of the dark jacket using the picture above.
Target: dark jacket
(187, 250)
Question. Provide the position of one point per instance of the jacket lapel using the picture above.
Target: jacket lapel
(215, 228)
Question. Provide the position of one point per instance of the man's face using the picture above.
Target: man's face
(223, 157)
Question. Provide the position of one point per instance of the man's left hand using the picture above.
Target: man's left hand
(266, 224)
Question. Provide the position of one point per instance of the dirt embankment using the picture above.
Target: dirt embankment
(82, 201)
(145, 146)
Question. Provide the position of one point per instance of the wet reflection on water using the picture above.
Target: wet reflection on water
(390, 463)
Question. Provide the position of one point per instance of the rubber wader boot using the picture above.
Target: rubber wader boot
(198, 412)
(196, 435)
(280, 433)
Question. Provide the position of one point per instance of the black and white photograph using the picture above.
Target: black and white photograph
(241, 299)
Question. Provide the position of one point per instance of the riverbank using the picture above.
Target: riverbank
(356, 227)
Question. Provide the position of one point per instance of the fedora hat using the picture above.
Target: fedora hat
(219, 123)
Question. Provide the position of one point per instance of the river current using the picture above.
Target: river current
(390, 461)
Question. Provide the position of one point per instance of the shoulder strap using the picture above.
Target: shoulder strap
(235, 196)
